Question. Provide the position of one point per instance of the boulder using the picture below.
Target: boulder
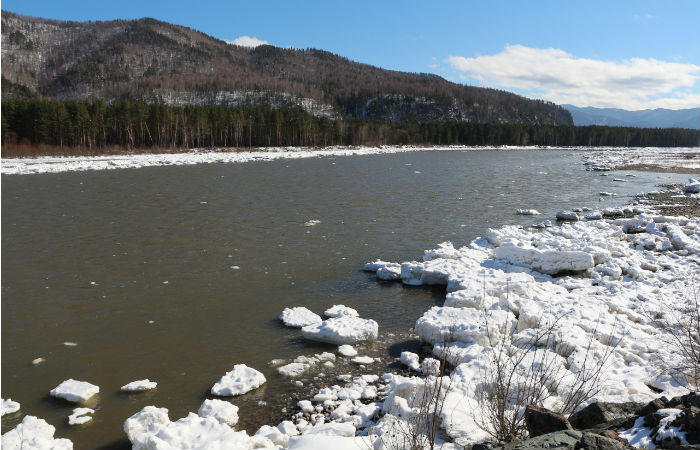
(541, 421)
(689, 422)
(559, 440)
(602, 412)
(591, 441)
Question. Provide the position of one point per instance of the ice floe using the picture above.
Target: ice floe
(347, 350)
(34, 433)
(342, 330)
(299, 316)
(340, 311)
(75, 391)
(221, 410)
(238, 381)
(7, 406)
(80, 416)
(139, 385)
(527, 212)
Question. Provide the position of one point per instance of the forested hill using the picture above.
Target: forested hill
(158, 62)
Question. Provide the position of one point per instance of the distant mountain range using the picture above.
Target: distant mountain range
(155, 61)
(648, 118)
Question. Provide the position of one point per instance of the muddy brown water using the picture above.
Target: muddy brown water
(178, 273)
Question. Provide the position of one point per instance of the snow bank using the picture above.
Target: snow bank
(34, 433)
(342, 330)
(238, 381)
(299, 316)
(7, 406)
(75, 391)
(139, 385)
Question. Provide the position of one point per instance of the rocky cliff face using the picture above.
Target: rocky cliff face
(156, 61)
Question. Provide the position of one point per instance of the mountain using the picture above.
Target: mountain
(150, 60)
(648, 118)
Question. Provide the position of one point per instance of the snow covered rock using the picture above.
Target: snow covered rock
(8, 406)
(221, 410)
(75, 391)
(139, 385)
(340, 311)
(299, 316)
(342, 330)
(34, 433)
(80, 416)
(238, 381)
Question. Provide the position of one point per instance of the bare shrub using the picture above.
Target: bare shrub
(522, 371)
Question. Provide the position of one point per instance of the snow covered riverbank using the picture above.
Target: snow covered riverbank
(601, 158)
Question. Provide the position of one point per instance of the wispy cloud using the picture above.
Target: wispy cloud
(248, 41)
(561, 77)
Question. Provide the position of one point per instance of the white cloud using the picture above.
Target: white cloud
(247, 41)
(561, 77)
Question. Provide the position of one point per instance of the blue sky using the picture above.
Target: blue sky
(619, 53)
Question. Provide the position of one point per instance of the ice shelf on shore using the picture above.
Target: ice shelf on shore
(238, 381)
(299, 316)
(7, 406)
(342, 330)
(75, 391)
(139, 385)
(601, 282)
(34, 433)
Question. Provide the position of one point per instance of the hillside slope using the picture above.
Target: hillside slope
(157, 61)
(648, 118)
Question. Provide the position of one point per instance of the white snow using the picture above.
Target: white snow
(75, 391)
(342, 330)
(567, 215)
(641, 436)
(363, 360)
(139, 385)
(340, 311)
(238, 381)
(347, 350)
(693, 187)
(411, 360)
(221, 410)
(80, 416)
(34, 433)
(299, 316)
(8, 406)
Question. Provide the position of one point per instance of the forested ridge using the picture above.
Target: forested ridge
(158, 62)
(48, 126)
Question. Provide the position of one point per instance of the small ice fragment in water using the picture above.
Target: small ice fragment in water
(8, 406)
(238, 381)
(235, 267)
(312, 222)
(527, 212)
(70, 344)
(75, 391)
(80, 416)
(38, 361)
(363, 360)
(347, 350)
(299, 316)
(139, 385)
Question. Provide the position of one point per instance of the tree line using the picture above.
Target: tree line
(94, 126)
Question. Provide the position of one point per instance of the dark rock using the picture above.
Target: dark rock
(541, 421)
(483, 446)
(602, 412)
(560, 440)
(591, 441)
(685, 401)
(653, 406)
(689, 422)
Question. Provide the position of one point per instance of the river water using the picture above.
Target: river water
(178, 273)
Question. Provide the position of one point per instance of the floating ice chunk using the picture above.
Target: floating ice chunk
(325, 356)
(37, 361)
(75, 391)
(139, 385)
(527, 212)
(607, 194)
(545, 261)
(347, 350)
(342, 330)
(312, 223)
(332, 429)
(305, 406)
(34, 433)
(363, 360)
(340, 311)
(223, 411)
(238, 381)
(141, 421)
(299, 316)
(70, 344)
(693, 187)
(80, 416)
(8, 406)
(293, 369)
(411, 360)
(567, 215)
